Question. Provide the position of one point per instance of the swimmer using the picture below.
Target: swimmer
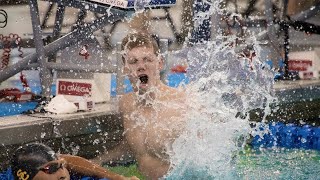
(152, 114)
(37, 161)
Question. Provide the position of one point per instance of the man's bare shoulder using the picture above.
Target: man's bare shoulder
(175, 94)
(126, 102)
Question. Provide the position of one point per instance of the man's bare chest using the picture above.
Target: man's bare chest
(155, 130)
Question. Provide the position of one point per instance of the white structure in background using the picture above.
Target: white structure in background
(82, 88)
(84, 93)
(307, 63)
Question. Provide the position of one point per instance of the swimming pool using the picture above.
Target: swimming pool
(252, 164)
(277, 156)
(287, 152)
(278, 163)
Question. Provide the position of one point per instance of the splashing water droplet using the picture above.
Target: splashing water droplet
(221, 86)
(139, 5)
(43, 134)
(96, 141)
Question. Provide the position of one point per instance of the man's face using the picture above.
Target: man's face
(143, 67)
(53, 170)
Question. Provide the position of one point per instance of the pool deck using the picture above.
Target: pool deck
(297, 91)
(298, 102)
(68, 133)
(77, 133)
(19, 127)
(285, 85)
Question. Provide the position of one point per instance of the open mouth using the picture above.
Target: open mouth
(143, 79)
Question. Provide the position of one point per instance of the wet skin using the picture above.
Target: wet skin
(152, 114)
(143, 62)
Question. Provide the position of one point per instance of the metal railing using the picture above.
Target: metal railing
(44, 57)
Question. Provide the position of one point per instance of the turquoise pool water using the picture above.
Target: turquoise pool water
(261, 164)
(282, 163)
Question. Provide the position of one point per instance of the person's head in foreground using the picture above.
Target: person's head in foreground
(142, 61)
(38, 162)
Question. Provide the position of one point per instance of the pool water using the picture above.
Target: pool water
(286, 152)
(253, 164)
(128, 171)
(279, 164)
(250, 164)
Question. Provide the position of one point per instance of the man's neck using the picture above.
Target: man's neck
(146, 99)
(150, 97)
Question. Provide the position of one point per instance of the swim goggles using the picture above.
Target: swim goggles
(52, 167)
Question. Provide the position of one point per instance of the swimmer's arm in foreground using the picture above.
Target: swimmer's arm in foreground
(86, 167)
(122, 150)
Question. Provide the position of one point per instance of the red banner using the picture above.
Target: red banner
(74, 88)
(299, 65)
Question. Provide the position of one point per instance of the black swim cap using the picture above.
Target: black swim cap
(28, 158)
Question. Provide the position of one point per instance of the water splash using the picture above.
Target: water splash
(139, 5)
(222, 85)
